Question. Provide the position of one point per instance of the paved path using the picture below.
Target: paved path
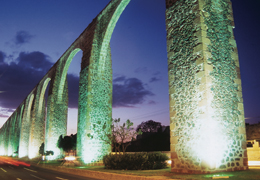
(13, 170)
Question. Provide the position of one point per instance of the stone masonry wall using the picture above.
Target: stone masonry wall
(206, 105)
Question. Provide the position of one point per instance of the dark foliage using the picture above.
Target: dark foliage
(137, 161)
(67, 143)
(147, 142)
(41, 149)
(47, 153)
(149, 126)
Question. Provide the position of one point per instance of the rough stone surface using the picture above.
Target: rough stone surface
(95, 97)
(206, 104)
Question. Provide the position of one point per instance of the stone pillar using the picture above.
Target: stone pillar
(57, 110)
(17, 131)
(12, 142)
(206, 105)
(10, 135)
(2, 141)
(95, 109)
(6, 139)
(37, 129)
(25, 127)
(95, 86)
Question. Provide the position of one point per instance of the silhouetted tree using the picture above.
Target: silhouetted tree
(41, 149)
(149, 126)
(67, 143)
(152, 141)
(47, 153)
(118, 136)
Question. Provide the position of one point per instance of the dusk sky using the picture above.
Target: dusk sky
(34, 34)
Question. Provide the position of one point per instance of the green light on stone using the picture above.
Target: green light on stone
(206, 108)
(33, 152)
(95, 105)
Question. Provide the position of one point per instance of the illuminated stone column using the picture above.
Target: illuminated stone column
(18, 122)
(95, 89)
(25, 127)
(2, 141)
(95, 111)
(37, 128)
(15, 130)
(206, 105)
(10, 135)
(12, 146)
(5, 139)
(57, 110)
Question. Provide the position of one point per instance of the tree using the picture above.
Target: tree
(67, 143)
(118, 136)
(41, 149)
(149, 126)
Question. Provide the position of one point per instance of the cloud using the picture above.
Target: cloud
(2, 57)
(154, 79)
(5, 112)
(141, 70)
(18, 79)
(128, 92)
(36, 61)
(151, 102)
(22, 37)
(155, 75)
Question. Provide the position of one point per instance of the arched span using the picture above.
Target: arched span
(36, 137)
(30, 107)
(108, 33)
(44, 86)
(64, 72)
(25, 128)
(95, 90)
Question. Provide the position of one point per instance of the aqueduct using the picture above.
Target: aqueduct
(206, 105)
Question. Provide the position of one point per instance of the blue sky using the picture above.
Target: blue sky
(34, 34)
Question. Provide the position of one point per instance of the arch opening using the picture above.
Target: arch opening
(25, 128)
(64, 72)
(72, 73)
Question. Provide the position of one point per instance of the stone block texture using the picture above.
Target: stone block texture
(206, 104)
(95, 97)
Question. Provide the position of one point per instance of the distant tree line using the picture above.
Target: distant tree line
(148, 136)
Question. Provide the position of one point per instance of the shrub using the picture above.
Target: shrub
(137, 161)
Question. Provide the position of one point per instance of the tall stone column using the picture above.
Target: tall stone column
(13, 141)
(10, 135)
(5, 139)
(206, 105)
(95, 109)
(25, 127)
(19, 113)
(95, 85)
(57, 111)
(37, 128)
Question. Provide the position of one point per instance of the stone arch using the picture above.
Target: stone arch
(56, 121)
(5, 138)
(2, 141)
(9, 137)
(108, 33)
(95, 90)
(25, 127)
(42, 93)
(12, 145)
(64, 72)
(37, 128)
